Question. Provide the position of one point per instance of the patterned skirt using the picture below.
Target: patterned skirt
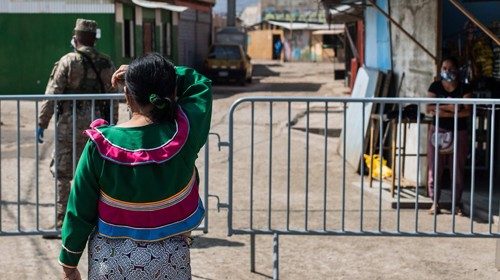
(128, 259)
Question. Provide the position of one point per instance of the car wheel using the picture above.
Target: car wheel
(242, 82)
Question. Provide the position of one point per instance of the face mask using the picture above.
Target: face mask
(448, 76)
(73, 43)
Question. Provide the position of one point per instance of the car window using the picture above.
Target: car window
(225, 52)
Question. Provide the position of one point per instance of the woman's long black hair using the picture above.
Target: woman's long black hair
(152, 79)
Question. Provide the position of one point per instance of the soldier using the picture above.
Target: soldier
(83, 71)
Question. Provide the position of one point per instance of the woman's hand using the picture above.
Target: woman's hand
(119, 76)
(431, 109)
(71, 274)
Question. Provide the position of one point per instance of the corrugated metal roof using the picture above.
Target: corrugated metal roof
(57, 6)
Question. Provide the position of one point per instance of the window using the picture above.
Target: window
(128, 38)
(225, 52)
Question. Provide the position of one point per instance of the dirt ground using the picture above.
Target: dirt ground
(215, 255)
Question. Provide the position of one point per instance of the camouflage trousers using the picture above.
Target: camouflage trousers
(61, 165)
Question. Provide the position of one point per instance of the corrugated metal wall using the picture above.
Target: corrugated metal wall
(187, 37)
(202, 37)
(194, 37)
(61, 6)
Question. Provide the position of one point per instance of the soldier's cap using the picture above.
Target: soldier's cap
(86, 25)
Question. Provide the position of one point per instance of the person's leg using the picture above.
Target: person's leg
(61, 165)
(433, 189)
(462, 153)
(61, 168)
(63, 188)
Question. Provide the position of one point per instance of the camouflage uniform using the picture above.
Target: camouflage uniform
(73, 74)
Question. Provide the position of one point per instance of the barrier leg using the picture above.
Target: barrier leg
(497, 258)
(276, 257)
(252, 252)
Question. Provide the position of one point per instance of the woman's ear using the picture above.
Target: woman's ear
(127, 95)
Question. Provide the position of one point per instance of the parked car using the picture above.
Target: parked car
(228, 63)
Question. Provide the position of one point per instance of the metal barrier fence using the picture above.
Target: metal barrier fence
(292, 166)
(291, 171)
(27, 189)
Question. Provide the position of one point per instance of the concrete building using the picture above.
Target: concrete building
(37, 33)
(293, 10)
(251, 15)
(409, 39)
(389, 48)
(260, 43)
(298, 24)
(302, 41)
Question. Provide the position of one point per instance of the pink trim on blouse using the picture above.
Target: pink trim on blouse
(121, 155)
(97, 123)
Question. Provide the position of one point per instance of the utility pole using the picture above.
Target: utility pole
(231, 13)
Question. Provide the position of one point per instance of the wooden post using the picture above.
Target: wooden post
(393, 155)
(370, 173)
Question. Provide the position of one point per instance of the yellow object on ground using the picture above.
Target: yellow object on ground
(386, 171)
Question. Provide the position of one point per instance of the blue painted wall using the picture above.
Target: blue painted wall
(378, 44)
(371, 37)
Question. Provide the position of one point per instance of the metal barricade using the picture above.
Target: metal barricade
(289, 171)
(292, 170)
(28, 195)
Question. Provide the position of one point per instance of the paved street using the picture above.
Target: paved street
(217, 256)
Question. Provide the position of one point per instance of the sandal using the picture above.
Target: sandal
(459, 211)
(434, 208)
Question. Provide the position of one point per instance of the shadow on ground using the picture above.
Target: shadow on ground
(263, 70)
(221, 90)
(331, 132)
(292, 87)
(202, 242)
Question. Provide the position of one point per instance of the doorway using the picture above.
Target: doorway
(277, 47)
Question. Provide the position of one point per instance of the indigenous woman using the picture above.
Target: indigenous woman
(135, 192)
